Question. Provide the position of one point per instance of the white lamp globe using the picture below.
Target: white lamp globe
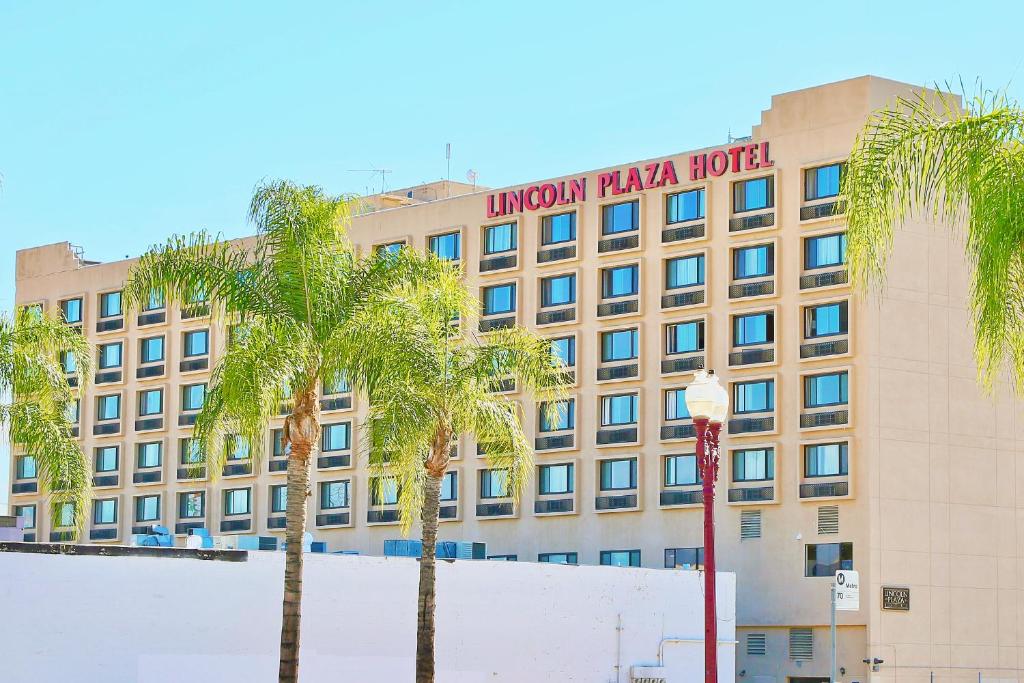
(701, 396)
(721, 402)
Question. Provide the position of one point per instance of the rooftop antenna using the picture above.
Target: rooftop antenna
(471, 176)
(382, 171)
(448, 158)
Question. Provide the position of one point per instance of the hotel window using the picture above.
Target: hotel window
(71, 310)
(105, 458)
(155, 302)
(279, 449)
(192, 396)
(558, 228)
(104, 511)
(108, 407)
(68, 362)
(558, 558)
(685, 337)
(384, 491)
(620, 281)
(237, 501)
(503, 558)
(616, 218)
(110, 356)
(620, 558)
(447, 246)
(756, 261)
(753, 464)
(757, 396)
(192, 505)
(829, 389)
(753, 328)
(685, 206)
(334, 495)
(74, 411)
(500, 299)
(556, 479)
(558, 291)
(825, 559)
(687, 271)
(500, 238)
(620, 409)
(556, 416)
(619, 345)
(197, 343)
(681, 470)
(151, 402)
(336, 437)
(279, 498)
(618, 475)
(450, 487)
(27, 513)
(675, 405)
(390, 249)
(190, 452)
(151, 350)
(826, 320)
(825, 250)
(147, 508)
(563, 351)
(751, 195)
(236, 448)
(64, 514)
(339, 385)
(494, 484)
(826, 460)
(110, 305)
(822, 182)
(684, 558)
(34, 311)
(25, 467)
(149, 454)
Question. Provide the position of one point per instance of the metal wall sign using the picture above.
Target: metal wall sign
(847, 586)
(896, 598)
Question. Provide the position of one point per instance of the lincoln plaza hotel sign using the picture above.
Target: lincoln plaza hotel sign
(747, 157)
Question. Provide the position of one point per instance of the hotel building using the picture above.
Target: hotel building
(856, 437)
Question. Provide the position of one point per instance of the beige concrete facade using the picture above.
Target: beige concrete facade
(930, 499)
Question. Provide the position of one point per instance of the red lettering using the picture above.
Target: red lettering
(604, 181)
(668, 174)
(734, 154)
(548, 194)
(698, 166)
(718, 163)
(765, 161)
(578, 190)
(562, 199)
(514, 201)
(529, 199)
(491, 211)
(633, 183)
(652, 172)
(750, 158)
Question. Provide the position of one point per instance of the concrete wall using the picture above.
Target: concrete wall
(78, 618)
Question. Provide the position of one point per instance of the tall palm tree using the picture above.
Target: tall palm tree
(929, 156)
(428, 381)
(288, 298)
(39, 398)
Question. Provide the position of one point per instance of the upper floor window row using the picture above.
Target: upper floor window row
(824, 251)
(685, 206)
(622, 217)
(823, 182)
(500, 238)
(753, 194)
(558, 228)
(447, 246)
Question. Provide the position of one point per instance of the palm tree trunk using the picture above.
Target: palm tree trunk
(425, 629)
(302, 433)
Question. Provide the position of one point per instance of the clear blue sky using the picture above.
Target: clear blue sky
(121, 123)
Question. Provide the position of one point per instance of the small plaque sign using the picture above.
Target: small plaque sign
(896, 598)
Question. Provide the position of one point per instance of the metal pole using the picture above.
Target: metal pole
(832, 674)
(707, 442)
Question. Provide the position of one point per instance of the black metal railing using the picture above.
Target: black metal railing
(325, 462)
(827, 348)
(825, 489)
(747, 425)
(149, 423)
(830, 418)
(681, 497)
(153, 477)
(278, 522)
(448, 512)
(110, 325)
(752, 289)
(616, 436)
(688, 364)
(497, 323)
(544, 507)
(548, 443)
(755, 494)
(556, 254)
(692, 298)
(828, 279)
(332, 519)
(494, 509)
(381, 516)
(686, 431)
(25, 487)
(751, 356)
(236, 525)
(761, 220)
(101, 480)
(106, 428)
(618, 308)
(185, 473)
(681, 233)
(618, 243)
(187, 420)
(237, 469)
(561, 316)
(622, 502)
(149, 371)
(108, 377)
(488, 265)
(155, 318)
(278, 465)
(194, 365)
(618, 372)
(808, 213)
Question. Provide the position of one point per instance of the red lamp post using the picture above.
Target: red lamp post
(708, 403)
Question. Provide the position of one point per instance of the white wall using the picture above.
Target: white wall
(83, 619)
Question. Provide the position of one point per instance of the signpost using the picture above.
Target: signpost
(846, 597)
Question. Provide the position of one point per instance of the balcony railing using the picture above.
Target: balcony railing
(491, 324)
(561, 316)
(751, 357)
(618, 372)
(691, 298)
(685, 431)
(155, 318)
(621, 502)
(835, 347)
(831, 418)
(681, 497)
(326, 462)
(749, 289)
(618, 308)
(332, 519)
(153, 477)
(149, 371)
(104, 480)
(494, 509)
(381, 516)
(194, 365)
(761, 220)
(827, 279)
(688, 364)
(808, 213)
(110, 325)
(617, 436)
(618, 243)
(544, 507)
(682, 232)
(549, 443)
(556, 254)
(756, 494)
(488, 265)
(825, 489)
(749, 425)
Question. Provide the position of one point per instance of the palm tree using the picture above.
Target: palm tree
(287, 297)
(429, 381)
(32, 377)
(928, 156)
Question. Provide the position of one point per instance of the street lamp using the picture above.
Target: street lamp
(708, 402)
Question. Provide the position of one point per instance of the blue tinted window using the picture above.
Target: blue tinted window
(447, 246)
(26, 467)
(753, 464)
(557, 415)
(618, 474)
(192, 396)
(620, 281)
(105, 458)
(499, 299)
(620, 558)
(826, 460)
(152, 349)
(71, 310)
(147, 508)
(675, 404)
(151, 402)
(685, 337)
(822, 182)
(619, 345)
(563, 351)
(110, 304)
(685, 206)
(557, 558)
(754, 397)
(681, 470)
(237, 502)
(825, 390)
(756, 328)
(684, 272)
(336, 437)
(751, 195)
(110, 356)
(753, 261)
(618, 410)
(556, 478)
(622, 217)
(109, 407)
(826, 250)
(279, 498)
(558, 291)
(197, 343)
(334, 495)
(494, 484)
(559, 228)
(149, 454)
(826, 320)
(450, 487)
(499, 238)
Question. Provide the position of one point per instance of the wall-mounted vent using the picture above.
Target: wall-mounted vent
(801, 643)
(757, 644)
(828, 519)
(750, 524)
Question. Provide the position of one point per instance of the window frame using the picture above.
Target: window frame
(606, 411)
(546, 230)
(485, 242)
(605, 483)
(608, 210)
(701, 205)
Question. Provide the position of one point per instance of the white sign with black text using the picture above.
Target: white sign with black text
(847, 585)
